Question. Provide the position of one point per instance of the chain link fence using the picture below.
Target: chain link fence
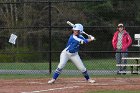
(43, 33)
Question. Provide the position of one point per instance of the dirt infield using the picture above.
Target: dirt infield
(67, 85)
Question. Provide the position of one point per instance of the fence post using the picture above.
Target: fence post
(50, 65)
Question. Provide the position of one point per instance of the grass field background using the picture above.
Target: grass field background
(95, 64)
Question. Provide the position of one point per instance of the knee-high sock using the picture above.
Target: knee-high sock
(57, 73)
(86, 75)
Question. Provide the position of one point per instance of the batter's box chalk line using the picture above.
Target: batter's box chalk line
(36, 83)
(52, 89)
(78, 81)
(100, 84)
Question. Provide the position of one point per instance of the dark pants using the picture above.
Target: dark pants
(120, 60)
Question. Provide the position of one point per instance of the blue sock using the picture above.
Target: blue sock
(86, 75)
(57, 73)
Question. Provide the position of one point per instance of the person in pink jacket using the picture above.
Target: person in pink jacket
(121, 41)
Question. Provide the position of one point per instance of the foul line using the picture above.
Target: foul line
(38, 91)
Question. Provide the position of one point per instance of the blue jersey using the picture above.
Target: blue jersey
(74, 42)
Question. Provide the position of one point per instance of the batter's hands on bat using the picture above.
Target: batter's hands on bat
(91, 37)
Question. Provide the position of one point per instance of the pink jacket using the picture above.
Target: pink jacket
(126, 40)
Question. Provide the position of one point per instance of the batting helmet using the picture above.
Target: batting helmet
(78, 27)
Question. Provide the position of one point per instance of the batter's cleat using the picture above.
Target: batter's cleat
(51, 81)
(91, 81)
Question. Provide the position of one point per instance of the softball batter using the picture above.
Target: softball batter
(71, 52)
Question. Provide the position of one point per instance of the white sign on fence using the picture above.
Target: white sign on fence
(12, 39)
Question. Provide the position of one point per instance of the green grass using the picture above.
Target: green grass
(102, 64)
(114, 91)
(20, 76)
(95, 64)
(24, 66)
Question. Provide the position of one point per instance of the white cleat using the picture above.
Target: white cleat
(51, 81)
(91, 81)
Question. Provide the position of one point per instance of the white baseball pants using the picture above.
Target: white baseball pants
(74, 57)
